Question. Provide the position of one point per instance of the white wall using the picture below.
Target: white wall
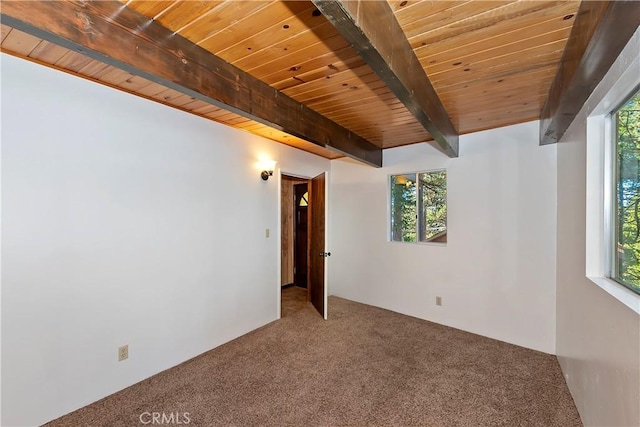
(598, 337)
(124, 222)
(496, 274)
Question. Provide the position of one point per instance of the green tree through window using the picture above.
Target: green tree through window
(403, 208)
(627, 207)
(433, 205)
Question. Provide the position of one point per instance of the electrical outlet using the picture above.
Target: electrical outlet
(266, 233)
(123, 353)
(438, 300)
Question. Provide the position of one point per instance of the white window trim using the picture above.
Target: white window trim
(599, 182)
(600, 172)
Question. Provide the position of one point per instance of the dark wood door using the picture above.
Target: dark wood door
(301, 235)
(317, 254)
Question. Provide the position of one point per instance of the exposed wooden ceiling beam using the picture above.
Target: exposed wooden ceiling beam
(374, 32)
(116, 35)
(600, 31)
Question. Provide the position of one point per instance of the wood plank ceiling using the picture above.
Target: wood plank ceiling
(491, 63)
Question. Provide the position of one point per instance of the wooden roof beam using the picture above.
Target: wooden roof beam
(374, 32)
(116, 35)
(600, 31)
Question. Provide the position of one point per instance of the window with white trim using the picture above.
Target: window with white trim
(626, 202)
(418, 204)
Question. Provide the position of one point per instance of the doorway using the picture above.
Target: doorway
(300, 233)
(302, 225)
(294, 294)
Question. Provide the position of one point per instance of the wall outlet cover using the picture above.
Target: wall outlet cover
(123, 353)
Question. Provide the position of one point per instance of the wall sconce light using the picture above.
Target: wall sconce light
(269, 166)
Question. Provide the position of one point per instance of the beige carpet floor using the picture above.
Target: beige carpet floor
(293, 299)
(363, 367)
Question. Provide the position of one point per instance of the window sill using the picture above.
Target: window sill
(441, 244)
(619, 292)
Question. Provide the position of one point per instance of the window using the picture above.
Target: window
(419, 207)
(626, 209)
(304, 201)
(609, 253)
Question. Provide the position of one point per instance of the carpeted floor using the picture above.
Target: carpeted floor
(293, 299)
(363, 366)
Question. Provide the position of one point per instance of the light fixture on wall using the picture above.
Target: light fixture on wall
(268, 167)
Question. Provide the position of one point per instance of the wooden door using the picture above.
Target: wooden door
(317, 243)
(301, 235)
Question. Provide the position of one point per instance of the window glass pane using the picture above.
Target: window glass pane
(305, 199)
(403, 208)
(432, 205)
(627, 209)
